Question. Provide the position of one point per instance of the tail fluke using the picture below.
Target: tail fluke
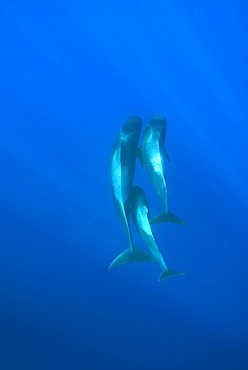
(167, 217)
(131, 255)
(141, 256)
(166, 273)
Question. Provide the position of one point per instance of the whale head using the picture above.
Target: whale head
(132, 124)
(137, 197)
(158, 122)
(131, 130)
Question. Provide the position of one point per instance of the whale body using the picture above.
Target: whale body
(122, 168)
(154, 158)
(140, 216)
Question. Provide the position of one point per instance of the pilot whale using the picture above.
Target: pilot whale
(140, 216)
(122, 168)
(154, 158)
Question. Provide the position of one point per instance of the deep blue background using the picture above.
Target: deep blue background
(71, 72)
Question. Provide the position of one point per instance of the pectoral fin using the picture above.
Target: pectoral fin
(108, 156)
(166, 155)
(139, 155)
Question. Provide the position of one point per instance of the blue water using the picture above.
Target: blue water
(71, 73)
